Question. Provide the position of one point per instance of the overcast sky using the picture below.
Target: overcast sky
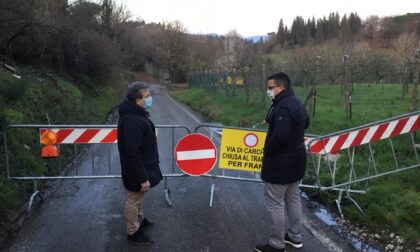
(251, 18)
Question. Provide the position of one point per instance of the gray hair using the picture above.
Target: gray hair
(136, 90)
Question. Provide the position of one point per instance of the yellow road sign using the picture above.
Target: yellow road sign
(241, 150)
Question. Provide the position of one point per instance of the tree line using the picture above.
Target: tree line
(304, 31)
(92, 41)
(346, 29)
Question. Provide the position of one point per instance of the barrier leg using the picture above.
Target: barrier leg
(211, 194)
(109, 159)
(338, 203)
(31, 200)
(167, 193)
(355, 203)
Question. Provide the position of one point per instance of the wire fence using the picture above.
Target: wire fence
(309, 74)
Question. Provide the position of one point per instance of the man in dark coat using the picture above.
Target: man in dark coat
(137, 145)
(284, 163)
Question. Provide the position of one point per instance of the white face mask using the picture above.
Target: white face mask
(270, 93)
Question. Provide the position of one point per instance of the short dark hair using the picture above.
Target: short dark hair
(280, 78)
(135, 90)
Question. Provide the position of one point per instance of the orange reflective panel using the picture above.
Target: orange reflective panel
(49, 137)
(49, 151)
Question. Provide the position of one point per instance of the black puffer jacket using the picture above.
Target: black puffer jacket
(285, 158)
(137, 145)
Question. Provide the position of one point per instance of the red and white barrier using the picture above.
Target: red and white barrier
(366, 135)
(323, 145)
(84, 135)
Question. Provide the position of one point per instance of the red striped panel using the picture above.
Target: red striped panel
(399, 127)
(339, 143)
(379, 132)
(416, 125)
(319, 145)
(359, 138)
(86, 136)
(111, 137)
(62, 134)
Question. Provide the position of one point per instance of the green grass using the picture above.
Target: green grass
(370, 103)
(393, 202)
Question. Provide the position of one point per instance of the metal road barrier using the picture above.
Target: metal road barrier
(347, 160)
(343, 161)
(238, 160)
(83, 138)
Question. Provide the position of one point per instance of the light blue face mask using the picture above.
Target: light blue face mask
(148, 102)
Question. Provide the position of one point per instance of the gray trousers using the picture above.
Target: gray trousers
(277, 197)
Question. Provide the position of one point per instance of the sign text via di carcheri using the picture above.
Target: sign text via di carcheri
(241, 150)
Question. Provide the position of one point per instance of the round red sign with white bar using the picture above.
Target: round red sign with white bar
(195, 154)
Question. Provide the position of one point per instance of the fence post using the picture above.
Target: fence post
(225, 81)
(317, 82)
(416, 80)
(346, 86)
(234, 82)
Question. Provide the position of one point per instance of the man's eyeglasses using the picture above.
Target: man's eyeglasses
(271, 87)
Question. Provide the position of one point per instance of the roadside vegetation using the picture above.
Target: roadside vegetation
(42, 99)
(391, 204)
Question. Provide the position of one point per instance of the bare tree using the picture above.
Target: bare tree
(233, 44)
(173, 47)
(234, 49)
(405, 46)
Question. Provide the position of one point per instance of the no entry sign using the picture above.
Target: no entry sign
(195, 154)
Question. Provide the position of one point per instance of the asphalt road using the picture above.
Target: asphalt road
(86, 215)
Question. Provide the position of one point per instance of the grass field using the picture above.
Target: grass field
(393, 202)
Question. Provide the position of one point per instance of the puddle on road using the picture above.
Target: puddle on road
(361, 246)
(323, 215)
(304, 195)
(327, 218)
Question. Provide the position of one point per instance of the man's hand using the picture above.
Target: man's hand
(145, 186)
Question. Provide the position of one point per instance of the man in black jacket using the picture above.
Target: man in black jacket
(284, 163)
(139, 158)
